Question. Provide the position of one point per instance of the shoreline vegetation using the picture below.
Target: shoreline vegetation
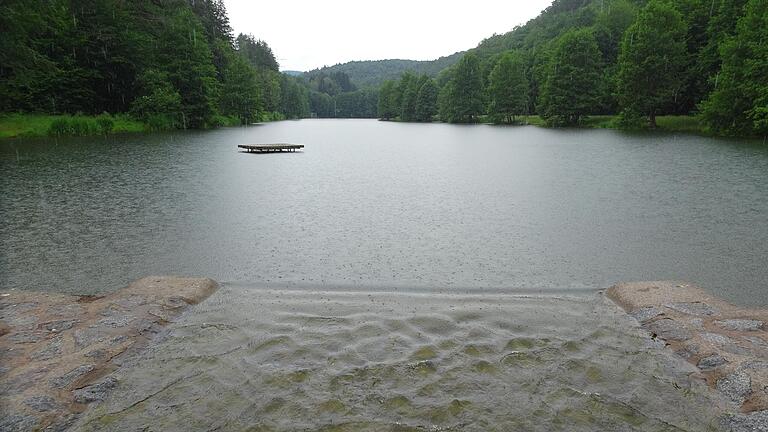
(632, 62)
(696, 66)
(20, 125)
(43, 125)
(667, 123)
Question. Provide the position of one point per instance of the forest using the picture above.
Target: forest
(373, 73)
(634, 59)
(178, 64)
(164, 64)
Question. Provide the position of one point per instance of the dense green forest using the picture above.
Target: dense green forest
(333, 95)
(168, 63)
(638, 59)
(177, 64)
(164, 63)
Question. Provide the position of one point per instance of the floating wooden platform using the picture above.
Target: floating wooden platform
(270, 148)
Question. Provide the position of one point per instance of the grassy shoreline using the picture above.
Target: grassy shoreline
(16, 125)
(670, 123)
(42, 125)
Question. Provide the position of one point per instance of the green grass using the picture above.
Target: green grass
(39, 125)
(688, 124)
(532, 120)
(680, 124)
(600, 122)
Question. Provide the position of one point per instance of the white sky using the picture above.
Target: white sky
(305, 34)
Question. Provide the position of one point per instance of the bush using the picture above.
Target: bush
(81, 126)
(269, 116)
(220, 120)
(160, 122)
(105, 124)
(59, 127)
(631, 120)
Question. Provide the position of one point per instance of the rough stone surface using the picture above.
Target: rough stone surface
(50, 350)
(693, 308)
(70, 377)
(716, 338)
(97, 353)
(27, 337)
(646, 313)
(670, 330)
(41, 403)
(736, 386)
(89, 336)
(57, 351)
(17, 423)
(711, 362)
(95, 392)
(752, 422)
(59, 325)
(740, 324)
(726, 342)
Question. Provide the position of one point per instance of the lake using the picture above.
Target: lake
(376, 205)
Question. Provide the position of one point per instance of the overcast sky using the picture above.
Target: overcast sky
(305, 34)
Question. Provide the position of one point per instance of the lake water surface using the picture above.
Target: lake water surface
(376, 205)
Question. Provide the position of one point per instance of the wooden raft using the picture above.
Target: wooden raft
(270, 148)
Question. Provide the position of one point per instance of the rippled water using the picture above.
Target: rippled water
(372, 204)
(286, 360)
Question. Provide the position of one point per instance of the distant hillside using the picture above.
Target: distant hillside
(373, 73)
(293, 72)
(557, 19)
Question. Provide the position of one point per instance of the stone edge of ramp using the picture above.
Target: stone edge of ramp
(727, 343)
(57, 350)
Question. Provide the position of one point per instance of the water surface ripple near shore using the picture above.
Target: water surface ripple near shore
(274, 359)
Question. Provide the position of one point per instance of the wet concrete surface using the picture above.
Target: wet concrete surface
(58, 351)
(286, 360)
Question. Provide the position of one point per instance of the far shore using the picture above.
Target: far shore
(17, 125)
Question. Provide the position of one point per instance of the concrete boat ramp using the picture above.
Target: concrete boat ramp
(148, 357)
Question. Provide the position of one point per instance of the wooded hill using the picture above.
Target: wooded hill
(636, 58)
(177, 63)
(373, 73)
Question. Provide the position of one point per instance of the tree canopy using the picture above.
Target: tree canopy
(570, 92)
(508, 87)
(652, 60)
(640, 58)
(172, 64)
(461, 99)
(739, 103)
(177, 63)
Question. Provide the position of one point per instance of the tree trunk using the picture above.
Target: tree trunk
(652, 120)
